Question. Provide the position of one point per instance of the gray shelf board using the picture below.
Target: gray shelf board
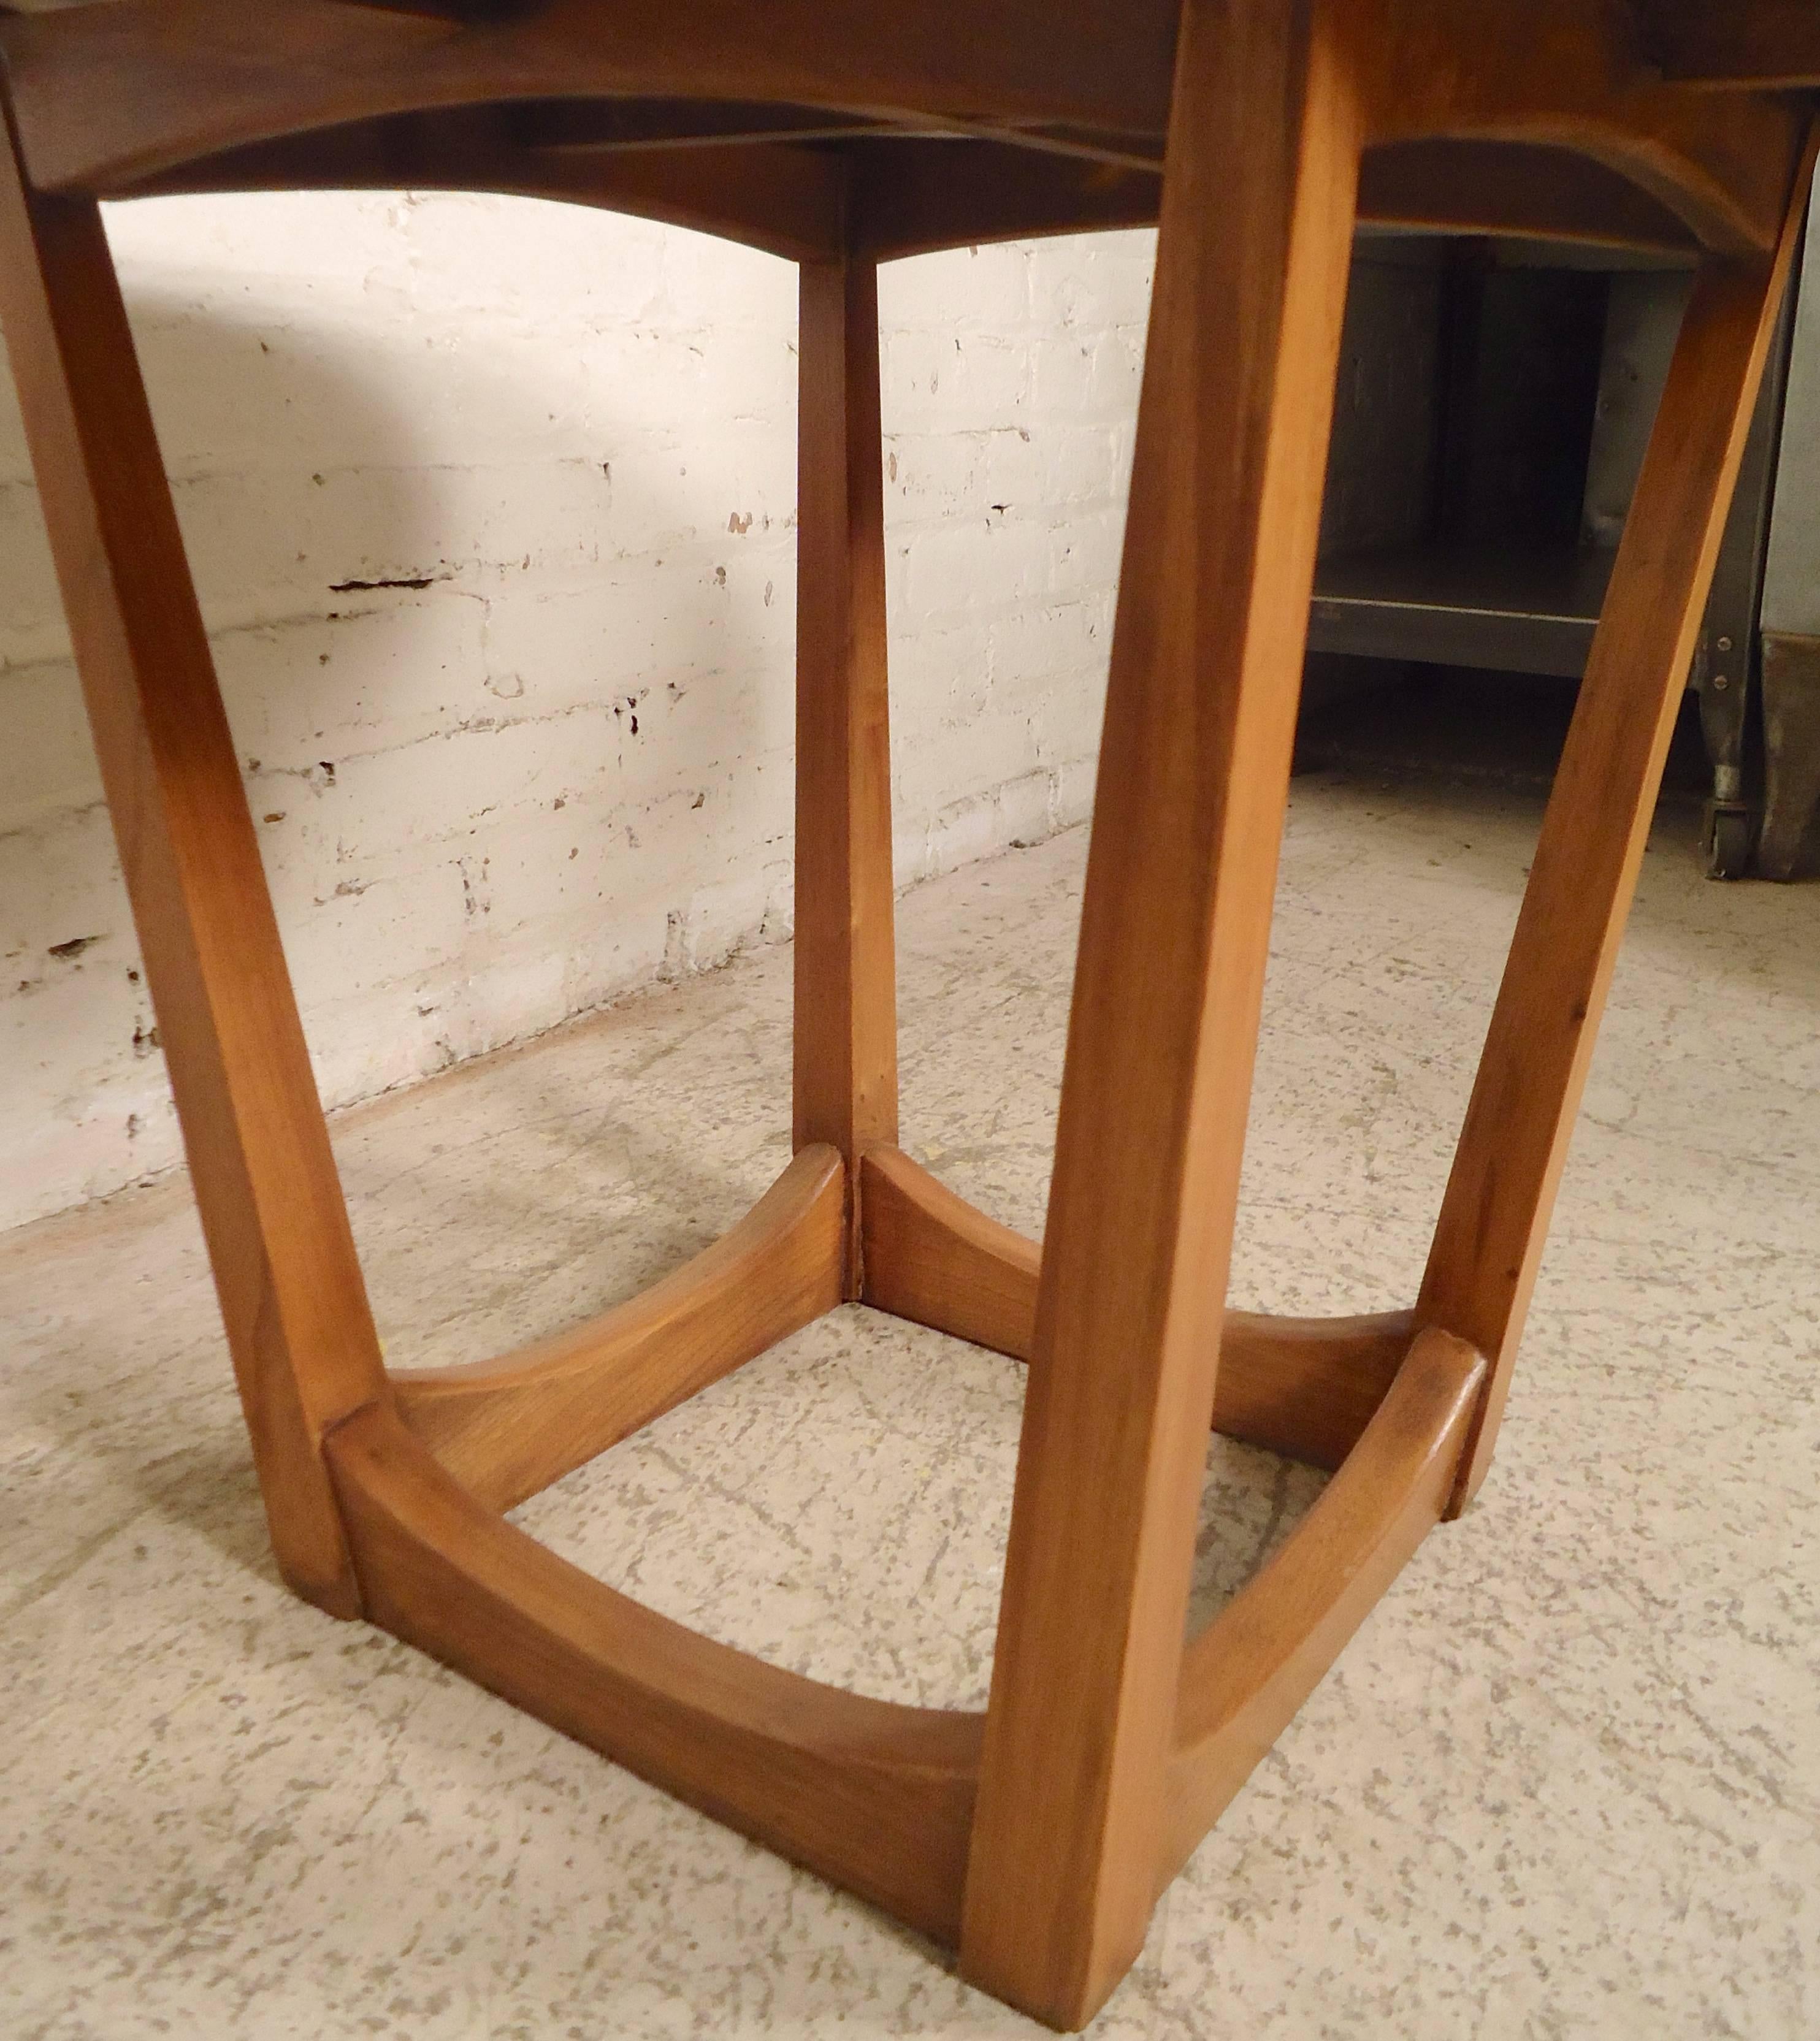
(1529, 610)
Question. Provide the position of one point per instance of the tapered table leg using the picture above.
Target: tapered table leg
(847, 1057)
(1259, 190)
(298, 1323)
(1500, 1199)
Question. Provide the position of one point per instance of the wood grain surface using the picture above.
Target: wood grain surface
(1304, 1388)
(299, 1325)
(846, 1029)
(829, 131)
(505, 1428)
(1494, 1219)
(1252, 266)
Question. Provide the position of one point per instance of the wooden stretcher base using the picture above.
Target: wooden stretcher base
(1032, 1837)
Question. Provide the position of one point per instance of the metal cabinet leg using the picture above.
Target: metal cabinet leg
(1792, 750)
(1725, 665)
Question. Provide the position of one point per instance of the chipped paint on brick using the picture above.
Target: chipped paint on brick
(458, 477)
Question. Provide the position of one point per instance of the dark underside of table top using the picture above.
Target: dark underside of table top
(804, 126)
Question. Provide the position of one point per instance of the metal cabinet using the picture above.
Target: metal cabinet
(1790, 616)
(1494, 403)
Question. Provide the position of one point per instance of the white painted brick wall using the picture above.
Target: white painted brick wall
(562, 769)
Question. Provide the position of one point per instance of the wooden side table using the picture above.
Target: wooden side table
(1037, 1837)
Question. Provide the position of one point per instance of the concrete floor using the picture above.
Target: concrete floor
(1565, 1782)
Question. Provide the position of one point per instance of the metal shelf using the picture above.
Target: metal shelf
(1502, 608)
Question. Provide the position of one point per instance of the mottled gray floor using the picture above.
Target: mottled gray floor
(1565, 1782)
